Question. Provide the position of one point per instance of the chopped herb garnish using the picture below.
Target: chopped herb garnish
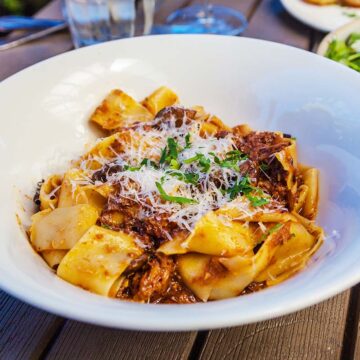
(163, 155)
(350, 14)
(190, 178)
(216, 158)
(174, 164)
(132, 168)
(193, 159)
(176, 199)
(203, 162)
(231, 160)
(275, 228)
(148, 162)
(187, 141)
(263, 166)
(169, 152)
(257, 201)
(244, 187)
(229, 165)
(271, 231)
(235, 155)
(173, 149)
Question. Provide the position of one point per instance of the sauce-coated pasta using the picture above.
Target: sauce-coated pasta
(173, 206)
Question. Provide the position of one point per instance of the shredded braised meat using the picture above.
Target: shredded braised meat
(153, 277)
(262, 164)
(152, 230)
(261, 145)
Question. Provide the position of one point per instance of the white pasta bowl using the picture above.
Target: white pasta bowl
(44, 112)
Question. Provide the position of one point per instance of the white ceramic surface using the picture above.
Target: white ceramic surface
(323, 18)
(44, 112)
(341, 33)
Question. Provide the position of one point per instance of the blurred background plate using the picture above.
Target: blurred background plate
(340, 34)
(323, 18)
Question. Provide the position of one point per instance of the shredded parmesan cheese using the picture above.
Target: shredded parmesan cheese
(138, 182)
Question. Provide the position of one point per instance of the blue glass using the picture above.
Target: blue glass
(206, 19)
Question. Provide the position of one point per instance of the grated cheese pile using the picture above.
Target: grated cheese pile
(207, 188)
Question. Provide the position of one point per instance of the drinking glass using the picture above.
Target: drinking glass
(95, 21)
(207, 19)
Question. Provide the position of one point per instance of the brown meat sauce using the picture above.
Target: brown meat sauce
(153, 277)
(262, 165)
(155, 281)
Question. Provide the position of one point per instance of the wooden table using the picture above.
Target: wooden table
(325, 331)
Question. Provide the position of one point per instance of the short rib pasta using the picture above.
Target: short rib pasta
(173, 206)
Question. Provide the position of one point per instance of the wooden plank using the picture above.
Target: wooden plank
(351, 341)
(357, 345)
(81, 341)
(24, 330)
(314, 333)
(272, 22)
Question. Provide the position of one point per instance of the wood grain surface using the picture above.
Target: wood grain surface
(14, 60)
(329, 330)
(271, 22)
(82, 341)
(314, 333)
(24, 330)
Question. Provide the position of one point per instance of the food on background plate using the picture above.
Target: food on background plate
(173, 206)
(322, 2)
(346, 52)
(353, 3)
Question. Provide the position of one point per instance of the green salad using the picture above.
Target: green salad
(346, 52)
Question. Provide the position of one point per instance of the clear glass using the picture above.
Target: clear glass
(96, 21)
(207, 19)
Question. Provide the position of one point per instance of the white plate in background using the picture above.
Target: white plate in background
(323, 18)
(341, 33)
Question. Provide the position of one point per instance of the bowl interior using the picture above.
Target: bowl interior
(44, 112)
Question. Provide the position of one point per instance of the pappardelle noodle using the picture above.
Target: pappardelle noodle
(173, 206)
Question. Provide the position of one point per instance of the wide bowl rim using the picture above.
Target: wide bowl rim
(205, 322)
